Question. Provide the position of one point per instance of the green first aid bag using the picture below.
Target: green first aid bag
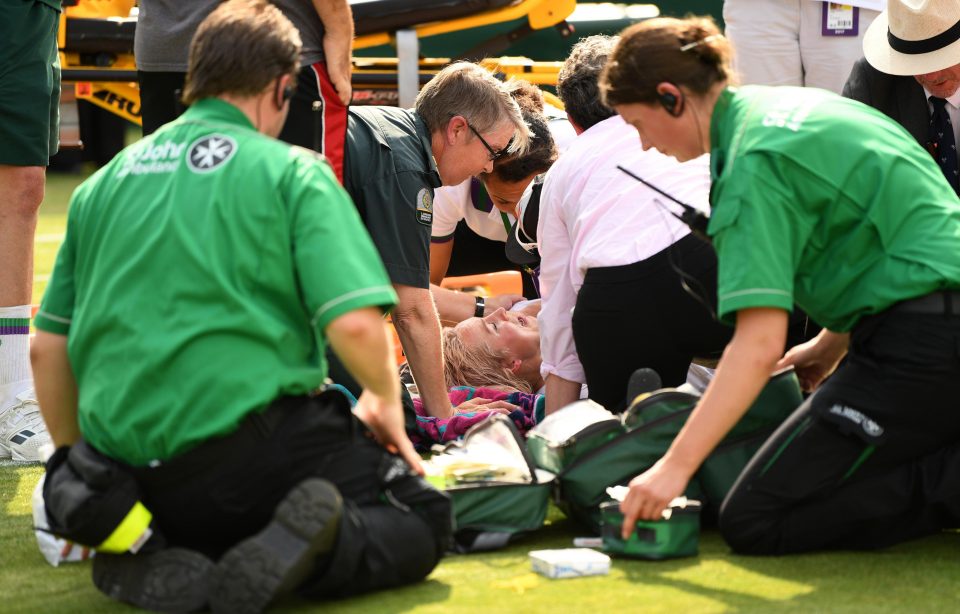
(493, 508)
(559, 440)
(670, 538)
(650, 425)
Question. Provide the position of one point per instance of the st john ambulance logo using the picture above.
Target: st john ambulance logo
(210, 152)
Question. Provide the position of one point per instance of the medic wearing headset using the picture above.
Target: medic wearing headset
(824, 202)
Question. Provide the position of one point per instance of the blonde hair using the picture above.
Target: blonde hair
(466, 89)
(477, 365)
(239, 49)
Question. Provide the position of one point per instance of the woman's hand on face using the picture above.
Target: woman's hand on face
(650, 493)
(532, 308)
(505, 301)
(478, 404)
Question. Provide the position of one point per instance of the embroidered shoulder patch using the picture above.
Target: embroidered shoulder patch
(425, 207)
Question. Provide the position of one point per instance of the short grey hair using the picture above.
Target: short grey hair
(577, 83)
(466, 89)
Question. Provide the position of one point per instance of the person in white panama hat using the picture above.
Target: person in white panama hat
(911, 72)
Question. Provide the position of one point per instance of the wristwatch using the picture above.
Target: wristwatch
(480, 306)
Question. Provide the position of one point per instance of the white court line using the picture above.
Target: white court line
(12, 463)
(55, 237)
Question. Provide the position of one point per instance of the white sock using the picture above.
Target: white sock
(14, 345)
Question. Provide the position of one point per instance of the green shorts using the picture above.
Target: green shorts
(29, 83)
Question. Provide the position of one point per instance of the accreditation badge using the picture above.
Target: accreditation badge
(425, 207)
(839, 19)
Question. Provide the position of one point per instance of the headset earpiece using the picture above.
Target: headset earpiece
(672, 103)
(282, 96)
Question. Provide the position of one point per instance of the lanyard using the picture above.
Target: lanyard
(506, 223)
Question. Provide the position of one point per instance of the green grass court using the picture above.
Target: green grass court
(921, 576)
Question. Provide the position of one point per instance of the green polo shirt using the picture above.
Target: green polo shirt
(825, 202)
(390, 174)
(199, 271)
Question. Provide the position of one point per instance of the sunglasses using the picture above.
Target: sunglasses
(494, 154)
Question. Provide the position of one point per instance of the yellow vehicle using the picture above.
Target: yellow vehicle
(96, 43)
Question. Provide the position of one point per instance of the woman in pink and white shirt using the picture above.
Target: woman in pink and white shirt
(613, 258)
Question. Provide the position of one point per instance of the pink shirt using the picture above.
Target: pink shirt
(593, 215)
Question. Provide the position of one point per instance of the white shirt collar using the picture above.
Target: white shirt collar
(954, 100)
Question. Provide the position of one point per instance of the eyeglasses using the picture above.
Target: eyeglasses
(494, 154)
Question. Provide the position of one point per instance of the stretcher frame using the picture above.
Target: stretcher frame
(109, 79)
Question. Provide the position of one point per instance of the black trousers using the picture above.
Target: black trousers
(323, 130)
(639, 315)
(871, 459)
(394, 529)
(160, 98)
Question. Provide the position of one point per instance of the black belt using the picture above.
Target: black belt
(944, 302)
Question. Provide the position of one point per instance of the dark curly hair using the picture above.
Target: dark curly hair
(542, 151)
(577, 83)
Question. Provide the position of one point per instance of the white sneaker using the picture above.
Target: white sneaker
(22, 431)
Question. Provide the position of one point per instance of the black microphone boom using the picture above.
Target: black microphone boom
(696, 220)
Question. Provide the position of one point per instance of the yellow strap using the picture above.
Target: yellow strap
(128, 531)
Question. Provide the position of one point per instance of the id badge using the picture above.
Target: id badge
(840, 19)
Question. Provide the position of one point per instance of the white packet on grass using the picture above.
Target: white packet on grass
(54, 549)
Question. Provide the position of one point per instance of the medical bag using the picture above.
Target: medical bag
(677, 535)
(649, 426)
(498, 494)
(563, 437)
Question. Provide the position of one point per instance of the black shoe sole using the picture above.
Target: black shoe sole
(641, 381)
(171, 580)
(259, 569)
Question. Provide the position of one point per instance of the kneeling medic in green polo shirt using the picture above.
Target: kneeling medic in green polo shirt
(824, 202)
(181, 343)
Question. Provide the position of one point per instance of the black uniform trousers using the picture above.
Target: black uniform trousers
(872, 458)
(394, 529)
(639, 315)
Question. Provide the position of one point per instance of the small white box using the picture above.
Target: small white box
(570, 563)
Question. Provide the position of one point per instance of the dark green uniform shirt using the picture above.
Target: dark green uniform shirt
(391, 176)
(198, 273)
(825, 202)
(29, 82)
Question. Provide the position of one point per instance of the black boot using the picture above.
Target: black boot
(166, 580)
(278, 558)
